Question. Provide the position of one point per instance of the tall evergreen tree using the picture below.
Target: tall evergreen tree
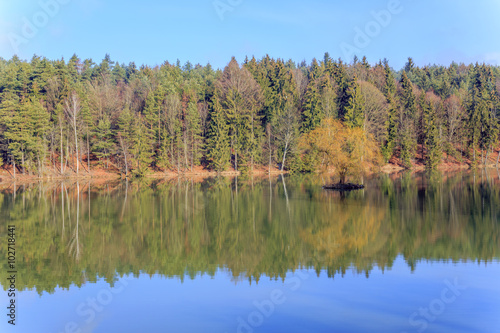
(311, 109)
(141, 147)
(217, 144)
(389, 91)
(103, 145)
(431, 136)
(407, 126)
(354, 111)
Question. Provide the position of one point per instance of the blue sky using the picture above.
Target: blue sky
(384, 302)
(201, 31)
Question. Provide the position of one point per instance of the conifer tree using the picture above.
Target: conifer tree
(103, 144)
(481, 108)
(141, 147)
(240, 98)
(354, 111)
(11, 122)
(389, 91)
(193, 133)
(431, 136)
(343, 86)
(217, 144)
(407, 127)
(311, 109)
(125, 136)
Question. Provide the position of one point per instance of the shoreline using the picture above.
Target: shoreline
(6, 176)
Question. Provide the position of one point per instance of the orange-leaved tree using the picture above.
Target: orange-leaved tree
(348, 150)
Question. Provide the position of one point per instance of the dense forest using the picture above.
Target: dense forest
(78, 231)
(67, 117)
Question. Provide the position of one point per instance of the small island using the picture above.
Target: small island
(344, 187)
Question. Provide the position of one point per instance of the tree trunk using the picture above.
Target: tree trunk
(486, 157)
(270, 152)
(39, 165)
(172, 152)
(284, 156)
(498, 158)
(251, 152)
(185, 154)
(14, 163)
(76, 144)
(342, 177)
(192, 153)
(178, 159)
(52, 150)
(61, 152)
(67, 153)
(88, 151)
(124, 156)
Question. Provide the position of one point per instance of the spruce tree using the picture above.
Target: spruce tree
(311, 109)
(408, 126)
(355, 110)
(193, 128)
(343, 85)
(217, 144)
(431, 136)
(103, 144)
(141, 148)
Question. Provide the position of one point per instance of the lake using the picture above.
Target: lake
(409, 253)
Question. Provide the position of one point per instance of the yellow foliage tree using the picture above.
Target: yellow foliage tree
(346, 149)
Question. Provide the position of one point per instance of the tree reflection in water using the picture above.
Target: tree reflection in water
(249, 227)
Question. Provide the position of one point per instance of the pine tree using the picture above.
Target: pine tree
(152, 118)
(240, 97)
(481, 108)
(389, 91)
(431, 136)
(311, 109)
(39, 118)
(141, 148)
(343, 86)
(125, 137)
(74, 68)
(489, 121)
(11, 123)
(88, 127)
(407, 127)
(217, 144)
(25, 127)
(193, 132)
(119, 73)
(408, 98)
(354, 111)
(103, 145)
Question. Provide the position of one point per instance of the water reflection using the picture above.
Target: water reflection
(74, 232)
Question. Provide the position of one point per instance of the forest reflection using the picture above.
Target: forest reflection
(70, 233)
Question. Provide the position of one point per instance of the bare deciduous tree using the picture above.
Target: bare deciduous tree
(286, 129)
(72, 109)
(376, 111)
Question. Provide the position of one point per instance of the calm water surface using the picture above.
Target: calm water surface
(410, 253)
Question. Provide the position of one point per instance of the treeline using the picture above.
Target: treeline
(252, 229)
(62, 115)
